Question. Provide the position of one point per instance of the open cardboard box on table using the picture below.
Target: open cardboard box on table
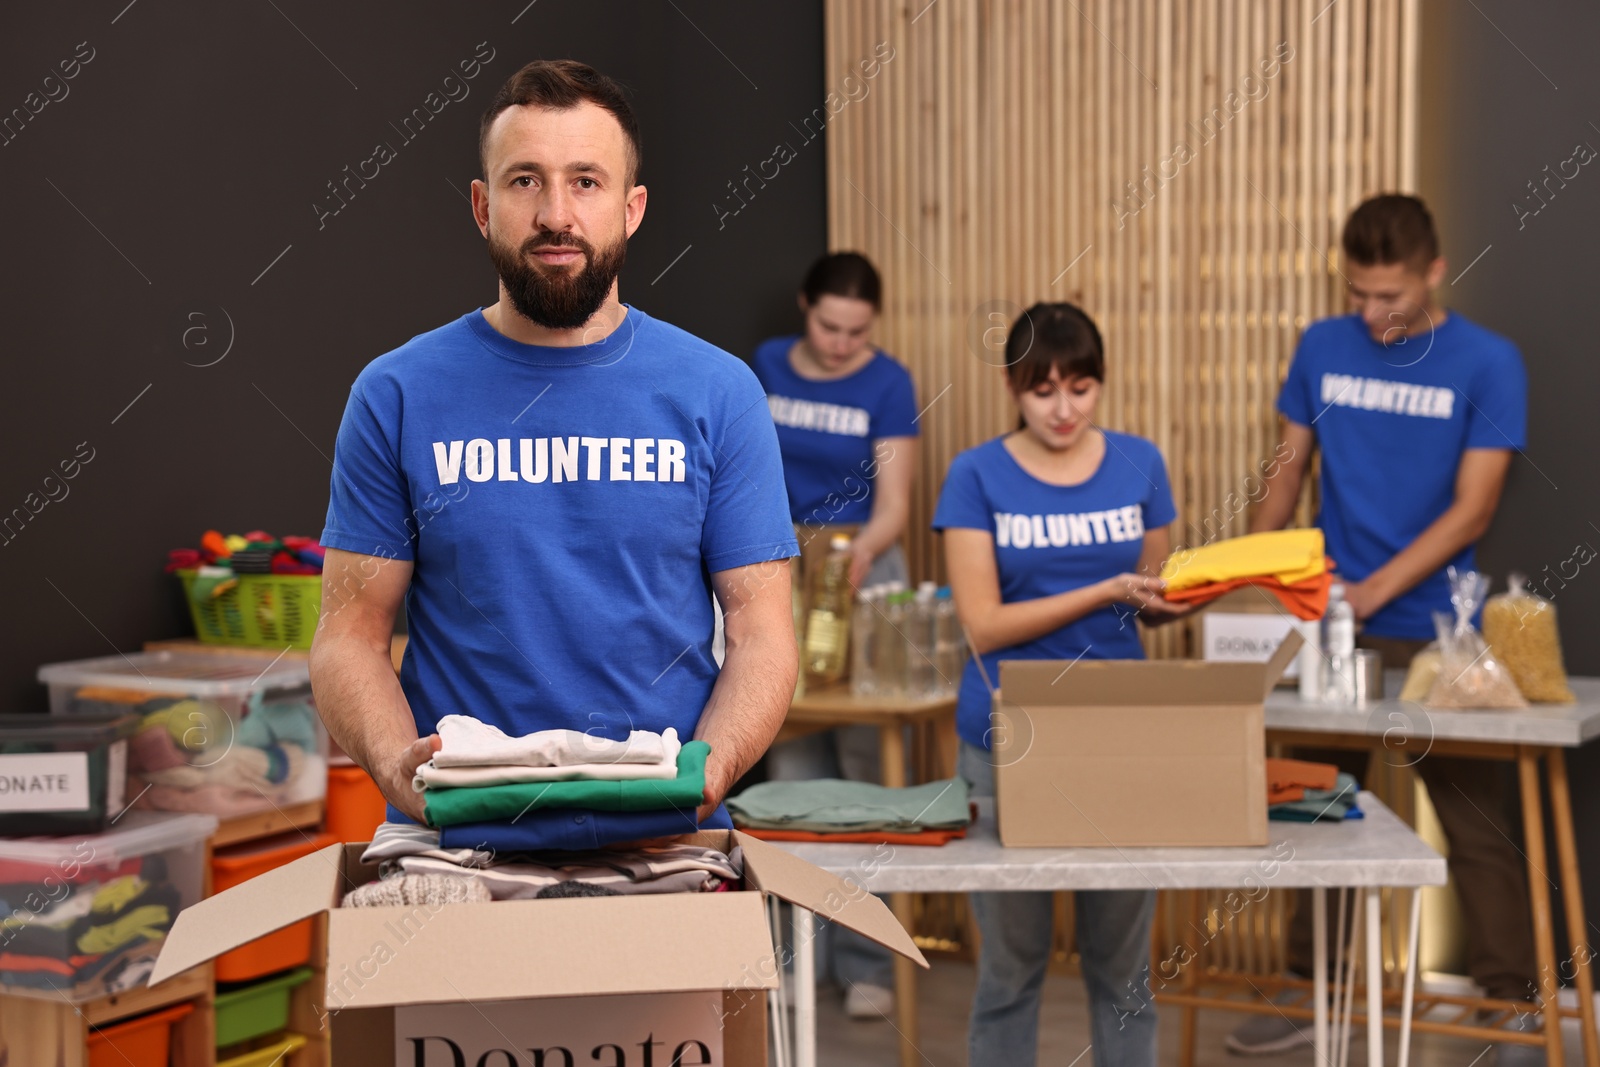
(633, 980)
(1133, 752)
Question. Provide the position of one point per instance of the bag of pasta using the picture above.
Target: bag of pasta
(1469, 674)
(1520, 627)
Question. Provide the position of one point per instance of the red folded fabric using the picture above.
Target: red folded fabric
(1288, 779)
(867, 837)
(1304, 600)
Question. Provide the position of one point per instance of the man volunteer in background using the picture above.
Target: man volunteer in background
(555, 485)
(1417, 412)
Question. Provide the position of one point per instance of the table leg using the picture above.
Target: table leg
(892, 753)
(776, 1011)
(1409, 985)
(1347, 1006)
(1188, 1015)
(1374, 977)
(1572, 897)
(805, 988)
(1319, 973)
(1539, 893)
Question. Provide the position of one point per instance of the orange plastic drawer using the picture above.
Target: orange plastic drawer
(145, 1041)
(278, 951)
(355, 807)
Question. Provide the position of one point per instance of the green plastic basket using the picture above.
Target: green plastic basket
(262, 611)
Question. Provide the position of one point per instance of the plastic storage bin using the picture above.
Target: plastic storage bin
(257, 1009)
(281, 949)
(85, 917)
(267, 1055)
(355, 805)
(143, 1041)
(262, 611)
(223, 734)
(60, 777)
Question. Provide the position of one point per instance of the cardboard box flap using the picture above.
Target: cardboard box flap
(511, 949)
(772, 870)
(265, 903)
(1145, 683)
(1287, 650)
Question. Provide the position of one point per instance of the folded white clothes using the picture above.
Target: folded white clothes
(405, 849)
(466, 742)
(392, 840)
(432, 776)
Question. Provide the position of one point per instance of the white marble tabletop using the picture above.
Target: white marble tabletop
(1379, 850)
(1561, 725)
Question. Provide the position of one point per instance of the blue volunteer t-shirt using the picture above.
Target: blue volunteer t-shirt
(826, 430)
(1051, 539)
(1392, 423)
(564, 508)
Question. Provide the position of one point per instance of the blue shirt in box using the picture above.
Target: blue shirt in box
(564, 508)
(1051, 539)
(826, 430)
(1392, 423)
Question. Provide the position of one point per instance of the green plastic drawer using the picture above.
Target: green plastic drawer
(257, 1009)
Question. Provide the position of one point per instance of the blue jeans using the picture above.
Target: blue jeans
(1113, 934)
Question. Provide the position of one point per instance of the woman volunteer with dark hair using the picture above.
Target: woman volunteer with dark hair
(846, 414)
(1053, 535)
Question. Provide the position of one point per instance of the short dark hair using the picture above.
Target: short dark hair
(848, 274)
(561, 84)
(1060, 337)
(1392, 228)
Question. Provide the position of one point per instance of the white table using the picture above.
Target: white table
(1375, 852)
(1525, 736)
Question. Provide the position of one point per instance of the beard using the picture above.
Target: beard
(557, 297)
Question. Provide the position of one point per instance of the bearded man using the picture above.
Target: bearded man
(556, 486)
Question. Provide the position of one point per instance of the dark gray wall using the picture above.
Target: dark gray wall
(1509, 89)
(160, 212)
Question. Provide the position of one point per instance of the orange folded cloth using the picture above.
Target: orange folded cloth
(1288, 779)
(1305, 600)
(870, 837)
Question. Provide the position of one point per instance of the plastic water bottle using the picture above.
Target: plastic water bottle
(828, 624)
(1339, 643)
(921, 677)
(864, 643)
(950, 645)
(891, 642)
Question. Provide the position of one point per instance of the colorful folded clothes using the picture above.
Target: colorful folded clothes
(870, 837)
(450, 807)
(1287, 556)
(575, 830)
(1304, 600)
(1288, 779)
(833, 805)
(219, 560)
(1322, 805)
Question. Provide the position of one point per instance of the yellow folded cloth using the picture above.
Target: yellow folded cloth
(1288, 556)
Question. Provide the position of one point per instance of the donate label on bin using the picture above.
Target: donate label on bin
(44, 781)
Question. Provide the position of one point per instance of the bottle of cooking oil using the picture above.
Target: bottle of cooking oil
(827, 648)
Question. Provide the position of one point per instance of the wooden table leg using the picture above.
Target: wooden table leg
(892, 753)
(1189, 1014)
(1539, 893)
(1572, 897)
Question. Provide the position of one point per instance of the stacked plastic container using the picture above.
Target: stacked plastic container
(227, 735)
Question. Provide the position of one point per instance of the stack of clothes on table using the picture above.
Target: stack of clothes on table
(94, 933)
(1298, 791)
(192, 757)
(1288, 565)
(532, 816)
(841, 812)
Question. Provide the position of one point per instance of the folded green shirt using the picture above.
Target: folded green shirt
(503, 803)
(825, 805)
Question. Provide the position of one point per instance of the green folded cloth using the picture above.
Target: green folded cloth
(1325, 805)
(503, 803)
(832, 805)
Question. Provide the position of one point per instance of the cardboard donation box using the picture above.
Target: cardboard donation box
(1133, 752)
(1247, 625)
(623, 980)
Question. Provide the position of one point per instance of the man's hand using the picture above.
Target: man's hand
(396, 781)
(1363, 599)
(861, 559)
(717, 786)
